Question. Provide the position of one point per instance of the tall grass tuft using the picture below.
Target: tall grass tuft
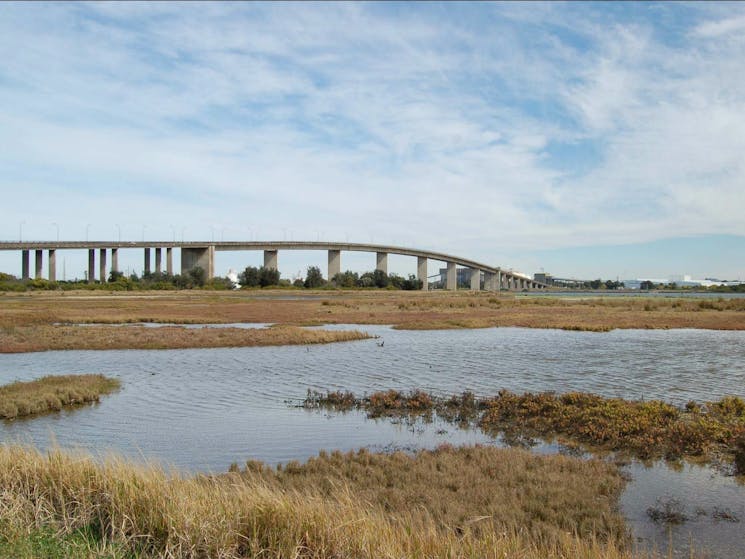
(52, 393)
(154, 513)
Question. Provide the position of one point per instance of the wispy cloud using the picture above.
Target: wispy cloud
(459, 126)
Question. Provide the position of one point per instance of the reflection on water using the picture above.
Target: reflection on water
(202, 409)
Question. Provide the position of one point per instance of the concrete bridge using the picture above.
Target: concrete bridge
(202, 254)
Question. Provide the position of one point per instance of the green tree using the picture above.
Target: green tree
(268, 276)
(249, 277)
(346, 279)
(313, 278)
(380, 278)
(198, 276)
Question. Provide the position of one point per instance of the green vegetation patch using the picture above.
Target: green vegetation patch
(52, 393)
(646, 429)
(44, 543)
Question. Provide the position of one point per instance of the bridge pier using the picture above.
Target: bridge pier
(114, 259)
(39, 254)
(158, 260)
(146, 267)
(475, 279)
(270, 259)
(102, 265)
(452, 277)
(202, 257)
(334, 263)
(381, 262)
(91, 265)
(421, 272)
(25, 265)
(490, 281)
(169, 261)
(52, 265)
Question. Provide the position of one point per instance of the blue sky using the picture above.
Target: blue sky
(585, 139)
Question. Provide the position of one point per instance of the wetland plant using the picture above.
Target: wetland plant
(52, 393)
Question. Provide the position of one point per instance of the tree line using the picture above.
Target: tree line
(266, 277)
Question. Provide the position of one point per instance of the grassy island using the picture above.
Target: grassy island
(450, 503)
(59, 337)
(52, 393)
(644, 429)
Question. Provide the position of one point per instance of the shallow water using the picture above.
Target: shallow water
(203, 409)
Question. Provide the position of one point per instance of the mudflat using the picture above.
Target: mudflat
(50, 320)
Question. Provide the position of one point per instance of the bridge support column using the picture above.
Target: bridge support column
(25, 265)
(421, 272)
(158, 260)
(52, 265)
(146, 267)
(114, 259)
(202, 257)
(475, 279)
(490, 281)
(270, 259)
(452, 277)
(102, 265)
(91, 265)
(39, 255)
(381, 262)
(334, 263)
(169, 261)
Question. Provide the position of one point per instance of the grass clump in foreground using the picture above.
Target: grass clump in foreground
(646, 429)
(52, 393)
(471, 502)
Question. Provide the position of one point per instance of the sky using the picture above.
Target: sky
(582, 139)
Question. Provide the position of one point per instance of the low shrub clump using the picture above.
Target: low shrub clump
(646, 429)
(52, 393)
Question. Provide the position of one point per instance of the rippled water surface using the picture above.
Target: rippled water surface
(205, 408)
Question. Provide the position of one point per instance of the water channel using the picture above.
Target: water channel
(202, 409)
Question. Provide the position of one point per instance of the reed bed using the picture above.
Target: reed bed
(48, 337)
(317, 511)
(645, 429)
(52, 393)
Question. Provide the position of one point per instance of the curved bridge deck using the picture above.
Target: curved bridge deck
(202, 254)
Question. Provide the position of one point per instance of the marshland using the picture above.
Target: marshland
(232, 423)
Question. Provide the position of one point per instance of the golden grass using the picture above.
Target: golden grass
(152, 513)
(479, 490)
(47, 337)
(421, 310)
(52, 393)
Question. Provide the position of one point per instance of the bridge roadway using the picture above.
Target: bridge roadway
(201, 253)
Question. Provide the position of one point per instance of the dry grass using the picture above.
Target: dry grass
(47, 337)
(422, 310)
(52, 393)
(146, 512)
(479, 490)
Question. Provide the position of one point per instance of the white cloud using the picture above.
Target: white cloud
(350, 119)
